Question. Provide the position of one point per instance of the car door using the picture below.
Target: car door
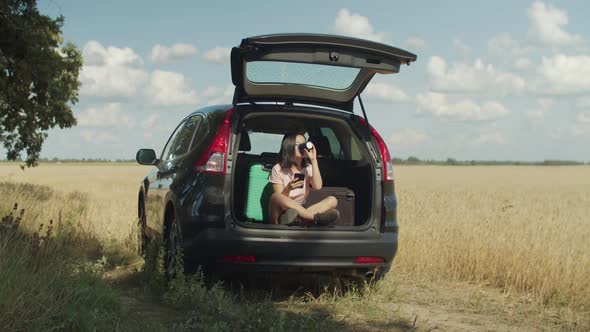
(310, 68)
(169, 169)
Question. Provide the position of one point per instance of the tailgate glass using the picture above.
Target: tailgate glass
(323, 76)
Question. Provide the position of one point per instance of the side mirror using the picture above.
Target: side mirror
(146, 157)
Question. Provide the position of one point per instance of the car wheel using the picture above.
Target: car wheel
(174, 261)
(142, 238)
(380, 273)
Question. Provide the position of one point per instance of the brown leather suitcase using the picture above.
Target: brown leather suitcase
(345, 197)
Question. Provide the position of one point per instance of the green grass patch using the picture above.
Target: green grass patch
(46, 282)
(209, 304)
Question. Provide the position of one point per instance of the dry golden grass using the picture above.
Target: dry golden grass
(111, 192)
(521, 229)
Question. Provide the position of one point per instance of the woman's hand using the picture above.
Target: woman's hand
(294, 184)
(311, 154)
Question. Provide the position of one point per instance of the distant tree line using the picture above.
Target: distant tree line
(82, 160)
(396, 161)
(452, 161)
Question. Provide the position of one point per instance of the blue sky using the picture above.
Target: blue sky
(498, 80)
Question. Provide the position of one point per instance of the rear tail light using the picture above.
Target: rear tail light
(239, 259)
(385, 156)
(214, 158)
(369, 260)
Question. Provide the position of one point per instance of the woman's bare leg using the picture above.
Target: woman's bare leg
(324, 205)
(280, 202)
(275, 208)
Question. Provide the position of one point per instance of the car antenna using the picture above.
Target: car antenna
(363, 108)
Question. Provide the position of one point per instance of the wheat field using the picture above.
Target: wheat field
(110, 191)
(521, 229)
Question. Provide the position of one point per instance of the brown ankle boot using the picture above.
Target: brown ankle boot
(326, 218)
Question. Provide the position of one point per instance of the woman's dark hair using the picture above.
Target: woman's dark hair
(287, 153)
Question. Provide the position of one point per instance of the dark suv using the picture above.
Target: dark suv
(206, 196)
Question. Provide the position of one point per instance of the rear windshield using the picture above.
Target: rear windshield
(323, 76)
(333, 139)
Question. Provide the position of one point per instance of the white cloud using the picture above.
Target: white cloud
(505, 45)
(566, 74)
(488, 137)
(179, 51)
(523, 63)
(581, 128)
(461, 47)
(111, 72)
(111, 81)
(415, 43)
(583, 117)
(109, 115)
(507, 49)
(545, 103)
(95, 54)
(380, 92)
(547, 26)
(148, 136)
(118, 72)
(96, 137)
(583, 102)
(218, 55)
(462, 77)
(150, 121)
(537, 114)
(167, 88)
(408, 138)
(465, 110)
(215, 95)
(356, 25)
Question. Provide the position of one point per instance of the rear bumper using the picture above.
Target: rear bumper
(279, 250)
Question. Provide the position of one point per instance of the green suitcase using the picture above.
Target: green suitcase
(258, 194)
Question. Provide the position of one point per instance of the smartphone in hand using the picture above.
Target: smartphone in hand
(299, 176)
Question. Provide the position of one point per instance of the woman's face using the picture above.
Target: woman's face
(298, 140)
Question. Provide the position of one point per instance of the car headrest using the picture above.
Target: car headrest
(322, 145)
(245, 144)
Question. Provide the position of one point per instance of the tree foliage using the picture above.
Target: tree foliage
(38, 78)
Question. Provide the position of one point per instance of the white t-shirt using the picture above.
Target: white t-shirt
(285, 175)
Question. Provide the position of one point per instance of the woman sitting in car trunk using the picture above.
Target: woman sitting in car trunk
(288, 202)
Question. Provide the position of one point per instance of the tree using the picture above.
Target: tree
(397, 161)
(451, 161)
(38, 78)
(413, 160)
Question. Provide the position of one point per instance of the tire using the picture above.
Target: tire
(142, 238)
(173, 246)
(380, 274)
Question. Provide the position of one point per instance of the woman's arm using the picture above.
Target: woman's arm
(316, 177)
(279, 188)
